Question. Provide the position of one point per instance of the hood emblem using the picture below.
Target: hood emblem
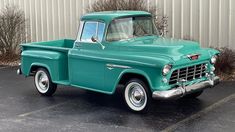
(193, 56)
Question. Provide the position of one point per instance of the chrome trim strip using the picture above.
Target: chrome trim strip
(183, 90)
(178, 75)
(186, 76)
(194, 71)
(110, 66)
(201, 70)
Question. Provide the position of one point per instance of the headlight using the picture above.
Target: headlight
(213, 59)
(166, 69)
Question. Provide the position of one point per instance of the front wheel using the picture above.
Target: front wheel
(137, 95)
(43, 82)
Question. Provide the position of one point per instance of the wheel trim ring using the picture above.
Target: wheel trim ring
(42, 81)
(129, 101)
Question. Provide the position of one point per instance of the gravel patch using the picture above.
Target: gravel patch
(14, 63)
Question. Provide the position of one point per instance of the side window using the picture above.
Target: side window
(89, 30)
(92, 29)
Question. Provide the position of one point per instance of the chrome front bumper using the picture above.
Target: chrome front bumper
(183, 90)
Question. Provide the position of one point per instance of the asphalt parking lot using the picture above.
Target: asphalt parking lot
(22, 109)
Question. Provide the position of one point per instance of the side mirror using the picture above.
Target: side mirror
(161, 34)
(95, 39)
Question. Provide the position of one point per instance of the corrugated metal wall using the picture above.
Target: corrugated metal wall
(212, 22)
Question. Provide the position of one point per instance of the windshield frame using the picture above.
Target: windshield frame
(147, 16)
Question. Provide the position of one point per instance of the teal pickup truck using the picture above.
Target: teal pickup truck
(121, 49)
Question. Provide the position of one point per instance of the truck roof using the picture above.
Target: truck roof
(110, 15)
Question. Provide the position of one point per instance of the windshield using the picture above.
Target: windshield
(131, 27)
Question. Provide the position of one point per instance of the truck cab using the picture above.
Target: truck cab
(121, 48)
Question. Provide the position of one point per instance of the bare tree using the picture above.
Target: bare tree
(12, 31)
(110, 5)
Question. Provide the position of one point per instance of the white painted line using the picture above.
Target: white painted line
(46, 108)
(199, 114)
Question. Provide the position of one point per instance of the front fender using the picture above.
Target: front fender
(213, 52)
(134, 71)
(113, 81)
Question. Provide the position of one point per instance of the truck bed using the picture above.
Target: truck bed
(61, 45)
(52, 55)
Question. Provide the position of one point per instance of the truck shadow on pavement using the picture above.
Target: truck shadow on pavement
(111, 110)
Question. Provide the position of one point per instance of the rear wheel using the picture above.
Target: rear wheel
(194, 95)
(137, 95)
(43, 82)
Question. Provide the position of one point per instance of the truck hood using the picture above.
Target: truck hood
(174, 50)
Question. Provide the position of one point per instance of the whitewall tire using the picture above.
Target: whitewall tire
(137, 95)
(43, 83)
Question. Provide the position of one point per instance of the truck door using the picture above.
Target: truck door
(86, 68)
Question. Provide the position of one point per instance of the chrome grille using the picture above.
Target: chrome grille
(188, 73)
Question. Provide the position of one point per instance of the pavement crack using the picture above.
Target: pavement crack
(199, 114)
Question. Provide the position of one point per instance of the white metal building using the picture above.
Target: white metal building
(212, 22)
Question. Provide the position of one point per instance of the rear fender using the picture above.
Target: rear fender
(39, 65)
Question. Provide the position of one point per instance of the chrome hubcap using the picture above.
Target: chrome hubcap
(137, 95)
(42, 81)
